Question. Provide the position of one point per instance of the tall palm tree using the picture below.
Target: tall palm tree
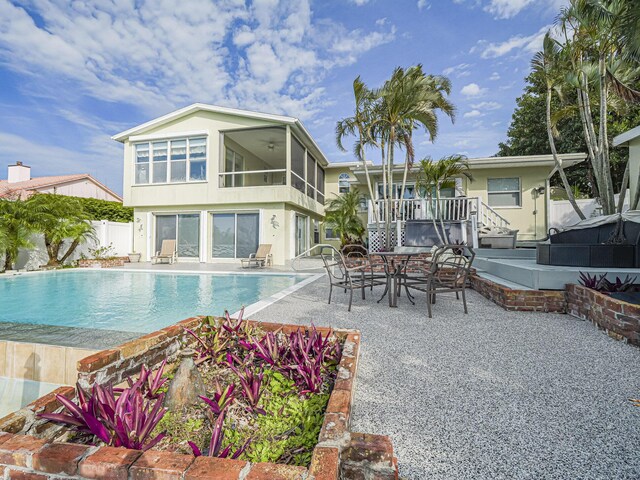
(409, 100)
(342, 215)
(548, 63)
(433, 176)
(357, 125)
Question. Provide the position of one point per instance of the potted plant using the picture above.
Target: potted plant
(134, 257)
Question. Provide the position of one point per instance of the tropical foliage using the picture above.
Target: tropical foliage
(588, 73)
(17, 225)
(387, 117)
(97, 209)
(342, 216)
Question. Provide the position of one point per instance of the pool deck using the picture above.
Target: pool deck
(489, 395)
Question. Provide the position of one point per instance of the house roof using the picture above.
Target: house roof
(567, 159)
(296, 124)
(626, 137)
(26, 188)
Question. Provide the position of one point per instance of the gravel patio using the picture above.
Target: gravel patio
(492, 394)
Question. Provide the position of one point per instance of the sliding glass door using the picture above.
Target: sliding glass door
(235, 235)
(185, 228)
(301, 234)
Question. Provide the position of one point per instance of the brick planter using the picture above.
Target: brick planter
(521, 300)
(35, 449)
(103, 262)
(621, 320)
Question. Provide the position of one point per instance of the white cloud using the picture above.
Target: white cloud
(506, 8)
(359, 2)
(494, 76)
(473, 90)
(519, 43)
(156, 57)
(381, 21)
(486, 106)
(473, 114)
(423, 4)
(460, 70)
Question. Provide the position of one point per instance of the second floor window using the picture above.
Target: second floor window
(171, 161)
(344, 184)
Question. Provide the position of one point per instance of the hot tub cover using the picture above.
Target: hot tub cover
(628, 216)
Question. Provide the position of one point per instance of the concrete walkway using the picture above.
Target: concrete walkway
(489, 395)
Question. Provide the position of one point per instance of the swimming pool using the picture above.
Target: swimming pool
(130, 301)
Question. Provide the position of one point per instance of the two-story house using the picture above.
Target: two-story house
(221, 181)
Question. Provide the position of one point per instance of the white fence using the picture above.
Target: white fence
(562, 214)
(117, 235)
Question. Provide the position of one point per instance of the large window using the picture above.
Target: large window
(235, 235)
(320, 183)
(297, 165)
(172, 161)
(504, 192)
(185, 228)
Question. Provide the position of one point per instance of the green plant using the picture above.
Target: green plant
(17, 224)
(97, 209)
(103, 253)
(342, 215)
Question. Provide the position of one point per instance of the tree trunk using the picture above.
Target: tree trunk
(609, 200)
(390, 159)
(69, 252)
(563, 176)
(374, 204)
(8, 260)
(623, 189)
(384, 195)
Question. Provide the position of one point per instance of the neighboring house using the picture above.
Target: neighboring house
(631, 139)
(511, 192)
(221, 181)
(19, 184)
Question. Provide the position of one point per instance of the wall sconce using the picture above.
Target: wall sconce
(274, 222)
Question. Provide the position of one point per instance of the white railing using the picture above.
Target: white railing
(448, 209)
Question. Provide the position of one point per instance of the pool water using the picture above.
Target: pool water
(129, 301)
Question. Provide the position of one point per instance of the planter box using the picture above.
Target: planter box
(102, 263)
(34, 447)
(620, 319)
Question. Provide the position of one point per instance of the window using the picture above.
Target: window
(235, 235)
(297, 165)
(172, 161)
(329, 234)
(504, 192)
(142, 163)
(311, 176)
(185, 228)
(343, 183)
(234, 162)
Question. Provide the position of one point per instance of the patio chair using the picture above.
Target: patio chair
(356, 255)
(448, 271)
(259, 259)
(167, 252)
(341, 276)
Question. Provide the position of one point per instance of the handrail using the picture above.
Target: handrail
(243, 172)
(309, 250)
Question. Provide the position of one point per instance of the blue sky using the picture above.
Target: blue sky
(74, 73)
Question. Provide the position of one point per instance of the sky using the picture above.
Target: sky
(74, 73)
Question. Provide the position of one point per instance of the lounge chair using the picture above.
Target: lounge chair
(167, 252)
(259, 259)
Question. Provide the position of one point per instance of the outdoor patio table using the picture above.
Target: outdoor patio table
(394, 263)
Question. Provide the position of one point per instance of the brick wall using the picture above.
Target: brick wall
(36, 449)
(521, 300)
(102, 263)
(621, 320)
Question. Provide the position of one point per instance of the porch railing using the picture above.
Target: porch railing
(448, 209)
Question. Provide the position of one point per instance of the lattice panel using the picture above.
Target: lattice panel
(377, 244)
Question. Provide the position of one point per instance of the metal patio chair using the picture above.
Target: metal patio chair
(356, 255)
(343, 277)
(448, 271)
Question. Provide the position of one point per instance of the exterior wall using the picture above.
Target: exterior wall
(83, 189)
(205, 192)
(634, 166)
(531, 226)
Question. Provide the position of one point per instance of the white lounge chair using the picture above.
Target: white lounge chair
(259, 259)
(167, 252)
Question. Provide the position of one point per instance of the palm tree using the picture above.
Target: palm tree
(433, 176)
(408, 100)
(548, 63)
(61, 219)
(342, 215)
(17, 221)
(358, 125)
